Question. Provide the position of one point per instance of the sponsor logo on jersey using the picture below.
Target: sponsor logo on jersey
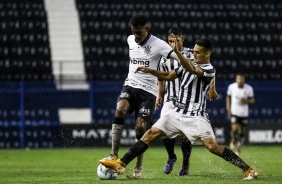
(147, 49)
(124, 95)
(137, 61)
(144, 111)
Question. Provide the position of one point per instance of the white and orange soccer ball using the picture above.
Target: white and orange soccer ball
(105, 173)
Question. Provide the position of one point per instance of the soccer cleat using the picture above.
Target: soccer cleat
(169, 165)
(110, 157)
(137, 172)
(116, 165)
(183, 171)
(250, 174)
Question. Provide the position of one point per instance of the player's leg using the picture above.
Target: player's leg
(228, 155)
(144, 108)
(138, 148)
(140, 129)
(242, 130)
(118, 123)
(186, 148)
(169, 143)
(234, 133)
(200, 127)
(122, 109)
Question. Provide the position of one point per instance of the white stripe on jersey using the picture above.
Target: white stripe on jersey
(191, 98)
(172, 87)
(149, 55)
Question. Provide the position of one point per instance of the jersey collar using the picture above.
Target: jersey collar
(142, 43)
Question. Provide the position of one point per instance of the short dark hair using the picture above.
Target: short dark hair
(139, 20)
(206, 43)
(175, 30)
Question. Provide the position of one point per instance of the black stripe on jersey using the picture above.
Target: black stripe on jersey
(190, 88)
(168, 56)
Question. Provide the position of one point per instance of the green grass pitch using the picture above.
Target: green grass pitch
(58, 166)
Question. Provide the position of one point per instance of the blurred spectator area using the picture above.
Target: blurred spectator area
(246, 34)
(24, 42)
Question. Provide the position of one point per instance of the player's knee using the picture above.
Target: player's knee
(140, 126)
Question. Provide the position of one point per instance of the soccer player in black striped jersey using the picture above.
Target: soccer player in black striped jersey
(189, 116)
(170, 96)
(140, 89)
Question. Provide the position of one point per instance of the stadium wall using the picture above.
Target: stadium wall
(29, 115)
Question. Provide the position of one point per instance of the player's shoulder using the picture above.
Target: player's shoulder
(233, 85)
(208, 66)
(153, 39)
(248, 86)
(131, 38)
(186, 49)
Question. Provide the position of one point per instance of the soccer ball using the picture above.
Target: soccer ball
(105, 173)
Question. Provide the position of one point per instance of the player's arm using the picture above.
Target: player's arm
(249, 100)
(212, 93)
(228, 105)
(159, 74)
(159, 100)
(185, 62)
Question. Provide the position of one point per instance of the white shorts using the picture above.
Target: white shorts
(194, 127)
(166, 107)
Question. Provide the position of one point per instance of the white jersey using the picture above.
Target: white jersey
(148, 54)
(172, 87)
(236, 93)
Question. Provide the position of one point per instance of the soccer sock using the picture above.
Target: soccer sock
(186, 148)
(139, 159)
(169, 145)
(242, 140)
(232, 158)
(138, 148)
(117, 128)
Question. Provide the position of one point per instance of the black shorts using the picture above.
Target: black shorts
(241, 120)
(141, 102)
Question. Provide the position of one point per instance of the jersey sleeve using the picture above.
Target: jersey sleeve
(165, 49)
(209, 72)
(251, 92)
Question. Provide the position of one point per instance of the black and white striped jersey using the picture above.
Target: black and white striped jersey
(148, 54)
(172, 87)
(191, 97)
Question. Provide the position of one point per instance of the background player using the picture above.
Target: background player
(239, 96)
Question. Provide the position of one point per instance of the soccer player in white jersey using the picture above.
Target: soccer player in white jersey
(189, 116)
(170, 96)
(140, 89)
(239, 96)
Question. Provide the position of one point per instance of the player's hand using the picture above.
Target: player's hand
(158, 103)
(174, 44)
(142, 69)
(229, 115)
(212, 94)
(244, 100)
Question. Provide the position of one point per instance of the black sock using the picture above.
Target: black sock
(138, 148)
(186, 148)
(232, 158)
(118, 121)
(169, 145)
(138, 137)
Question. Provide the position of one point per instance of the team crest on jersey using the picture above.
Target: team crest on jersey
(147, 49)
